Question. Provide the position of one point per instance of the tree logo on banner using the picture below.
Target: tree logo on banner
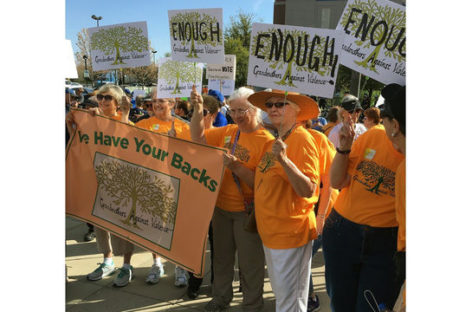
(197, 28)
(119, 39)
(125, 183)
(294, 49)
(377, 26)
(175, 72)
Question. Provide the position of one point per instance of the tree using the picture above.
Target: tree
(119, 39)
(237, 42)
(126, 183)
(144, 75)
(381, 35)
(176, 72)
(199, 25)
(376, 176)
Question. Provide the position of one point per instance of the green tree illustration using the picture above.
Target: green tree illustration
(125, 184)
(396, 17)
(280, 63)
(193, 18)
(119, 39)
(376, 176)
(175, 72)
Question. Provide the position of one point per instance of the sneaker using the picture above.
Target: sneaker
(313, 304)
(214, 306)
(180, 277)
(155, 274)
(89, 236)
(125, 276)
(102, 271)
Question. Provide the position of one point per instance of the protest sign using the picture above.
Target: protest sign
(155, 191)
(223, 71)
(293, 58)
(225, 86)
(119, 46)
(197, 35)
(375, 39)
(177, 78)
(70, 68)
(138, 92)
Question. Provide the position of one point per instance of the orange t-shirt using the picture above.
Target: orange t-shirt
(249, 150)
(327, 153)
(154, 124)
(400, 205)
(284, 219)
(118, 117)
(370, 197)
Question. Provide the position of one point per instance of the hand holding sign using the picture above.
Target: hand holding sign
(347, 133)
(229, 161)
(172, 131)
(279, 149)
(196, 98)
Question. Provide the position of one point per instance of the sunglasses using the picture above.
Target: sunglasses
(205, 112)
(278, 104)
(106, 97)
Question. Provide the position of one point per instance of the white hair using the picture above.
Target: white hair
(244, 93)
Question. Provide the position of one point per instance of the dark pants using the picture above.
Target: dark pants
(194, 283)
(359, 258)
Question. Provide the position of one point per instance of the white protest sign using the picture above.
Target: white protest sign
(119, 46)
(177, 78)
(225, 86)
(224, 71)
(197, 35)
(138, 92)
(293, 58)
(70, 68)
(375, 39)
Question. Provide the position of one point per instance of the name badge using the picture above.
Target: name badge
(369, 153)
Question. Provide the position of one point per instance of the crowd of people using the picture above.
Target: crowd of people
(306, 181)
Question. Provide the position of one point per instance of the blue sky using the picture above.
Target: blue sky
(154, 12)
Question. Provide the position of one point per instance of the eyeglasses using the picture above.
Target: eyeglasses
(106, 97)
(278, 104)
(235, 112)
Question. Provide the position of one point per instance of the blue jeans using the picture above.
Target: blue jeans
(359, 258)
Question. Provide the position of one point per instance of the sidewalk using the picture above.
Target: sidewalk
(85, 296)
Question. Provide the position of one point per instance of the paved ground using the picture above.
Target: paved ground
(83, 295)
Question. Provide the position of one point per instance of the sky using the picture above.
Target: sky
(154, 12)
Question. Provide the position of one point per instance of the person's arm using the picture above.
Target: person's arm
(301, 184)
(325, 196)
(125, 107)
(197, 124)
(338, 174)
(244, 174)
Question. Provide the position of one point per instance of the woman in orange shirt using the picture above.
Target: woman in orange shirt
(286, 183)
(360, 235)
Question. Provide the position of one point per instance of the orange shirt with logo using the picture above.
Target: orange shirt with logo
(370, 197)
(327, 153)
(154, 124)
(284, 219)
(249, 150)
(400, 205)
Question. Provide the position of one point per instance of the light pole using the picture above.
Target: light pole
(97, 18)
(154, 55)
(86, 74)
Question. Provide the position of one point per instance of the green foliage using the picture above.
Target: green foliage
(119, 39)
(133, 185)
(175, 72)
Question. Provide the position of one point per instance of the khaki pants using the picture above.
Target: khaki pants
(229, 236)
(107, 242)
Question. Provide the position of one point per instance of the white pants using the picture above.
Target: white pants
(289, 273)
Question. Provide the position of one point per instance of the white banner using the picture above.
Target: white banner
(225, 86)
(197, 35)
(119, 46)
(177, 78)
(293, 58)
(224, 71)
(375, 39)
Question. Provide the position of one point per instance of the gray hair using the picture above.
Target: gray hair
(244, 93)
(115, 91)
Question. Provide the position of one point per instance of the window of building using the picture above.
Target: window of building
(325, 17)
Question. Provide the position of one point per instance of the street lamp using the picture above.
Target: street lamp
(154, 55)
(97, 19)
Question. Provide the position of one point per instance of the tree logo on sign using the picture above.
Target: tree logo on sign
(376, 26)
(175, 72)
(196, 28)
(119, 39)
(127, 184)
(294, 49)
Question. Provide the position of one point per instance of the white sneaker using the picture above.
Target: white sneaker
(102, 271)
(155, 274)
(180, 277)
